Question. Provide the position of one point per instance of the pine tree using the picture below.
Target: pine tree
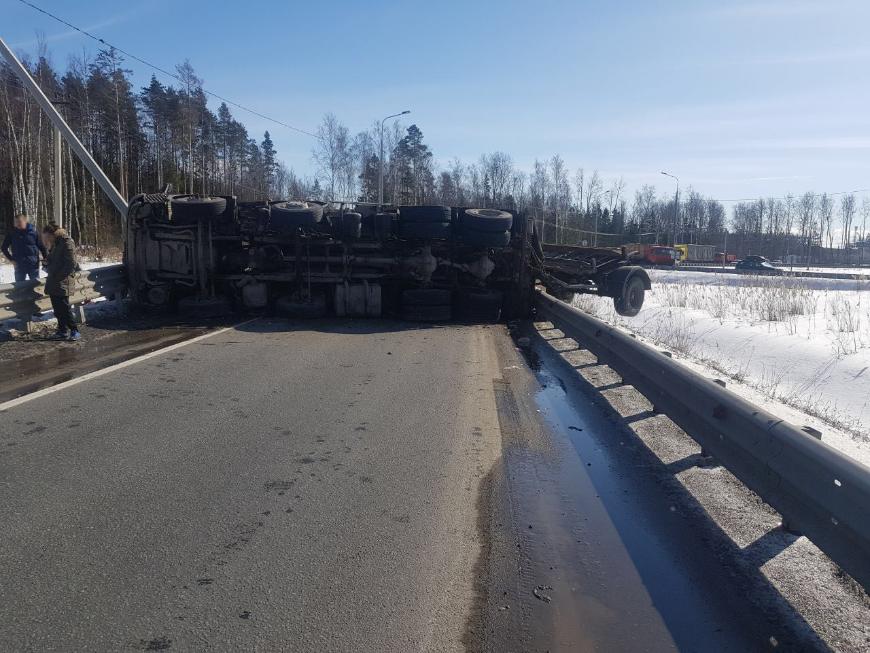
(269, 165)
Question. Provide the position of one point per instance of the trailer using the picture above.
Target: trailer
(694, 253)
(213, 254)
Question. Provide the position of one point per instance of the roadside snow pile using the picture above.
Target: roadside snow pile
(7, 271)
(799, 347)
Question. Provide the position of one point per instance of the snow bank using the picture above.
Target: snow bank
(801, 350)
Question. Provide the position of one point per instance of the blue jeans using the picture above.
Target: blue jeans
(22, 272)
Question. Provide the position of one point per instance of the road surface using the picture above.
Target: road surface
(338, 486)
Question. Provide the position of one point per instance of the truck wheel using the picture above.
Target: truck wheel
(487, 220)
(293, 307)
(436, 214)
(192, 207)
(379, 225)
(425, 230)
(294, 214)
(426, 297)
(486, 238)
(347, 226)
(427, 313)
(481, 306)
(630, 301)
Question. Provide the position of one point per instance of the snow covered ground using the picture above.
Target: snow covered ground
(800, 347)
(845, 270)
(862, 272)
(7, 272)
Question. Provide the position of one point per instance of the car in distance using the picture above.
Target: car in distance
(757, 265)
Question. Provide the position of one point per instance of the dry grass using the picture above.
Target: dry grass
(842, 318)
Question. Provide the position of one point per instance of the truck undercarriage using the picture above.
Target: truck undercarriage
(306, 259)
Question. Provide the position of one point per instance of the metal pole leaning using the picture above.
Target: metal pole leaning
(72, 140)
(58, 178)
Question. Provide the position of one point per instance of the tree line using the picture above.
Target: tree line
(143, 139)
(162, 134)
(582, 207)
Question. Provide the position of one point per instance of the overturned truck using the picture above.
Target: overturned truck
(213, 255)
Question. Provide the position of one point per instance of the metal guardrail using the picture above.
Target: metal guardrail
(818, 490)
(22, 300)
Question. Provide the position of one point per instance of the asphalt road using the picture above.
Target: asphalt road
(336, 486)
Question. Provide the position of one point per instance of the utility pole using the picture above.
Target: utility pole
(381, 159)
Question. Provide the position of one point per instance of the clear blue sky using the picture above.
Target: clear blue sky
(738, 98)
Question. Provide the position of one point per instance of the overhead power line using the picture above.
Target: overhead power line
(163, 71)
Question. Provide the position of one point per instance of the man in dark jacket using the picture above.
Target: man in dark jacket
(22, 246)
(61, 267)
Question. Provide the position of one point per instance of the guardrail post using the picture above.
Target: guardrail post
(705, 453)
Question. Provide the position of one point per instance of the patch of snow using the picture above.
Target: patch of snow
(801, 350)
(7, 270)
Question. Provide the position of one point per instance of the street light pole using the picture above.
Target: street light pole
(676, 204)
(381, 159)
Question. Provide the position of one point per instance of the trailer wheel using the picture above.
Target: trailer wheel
(487, 220)
(630, 301)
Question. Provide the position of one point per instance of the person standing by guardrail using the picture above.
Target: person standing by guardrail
(22, 246)
(61, 267)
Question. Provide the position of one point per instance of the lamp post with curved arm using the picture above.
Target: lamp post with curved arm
(676, 204)
(381, 159)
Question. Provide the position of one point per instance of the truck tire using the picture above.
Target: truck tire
(427, 313)
(347, 226)
(294, 214)
(494, 239)
(424, 230)
(426, 297)
(194, 207)
(424, 214)
(630, 301)
(479, 306)
(293, 307)
(487, 220)
(379, 225)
